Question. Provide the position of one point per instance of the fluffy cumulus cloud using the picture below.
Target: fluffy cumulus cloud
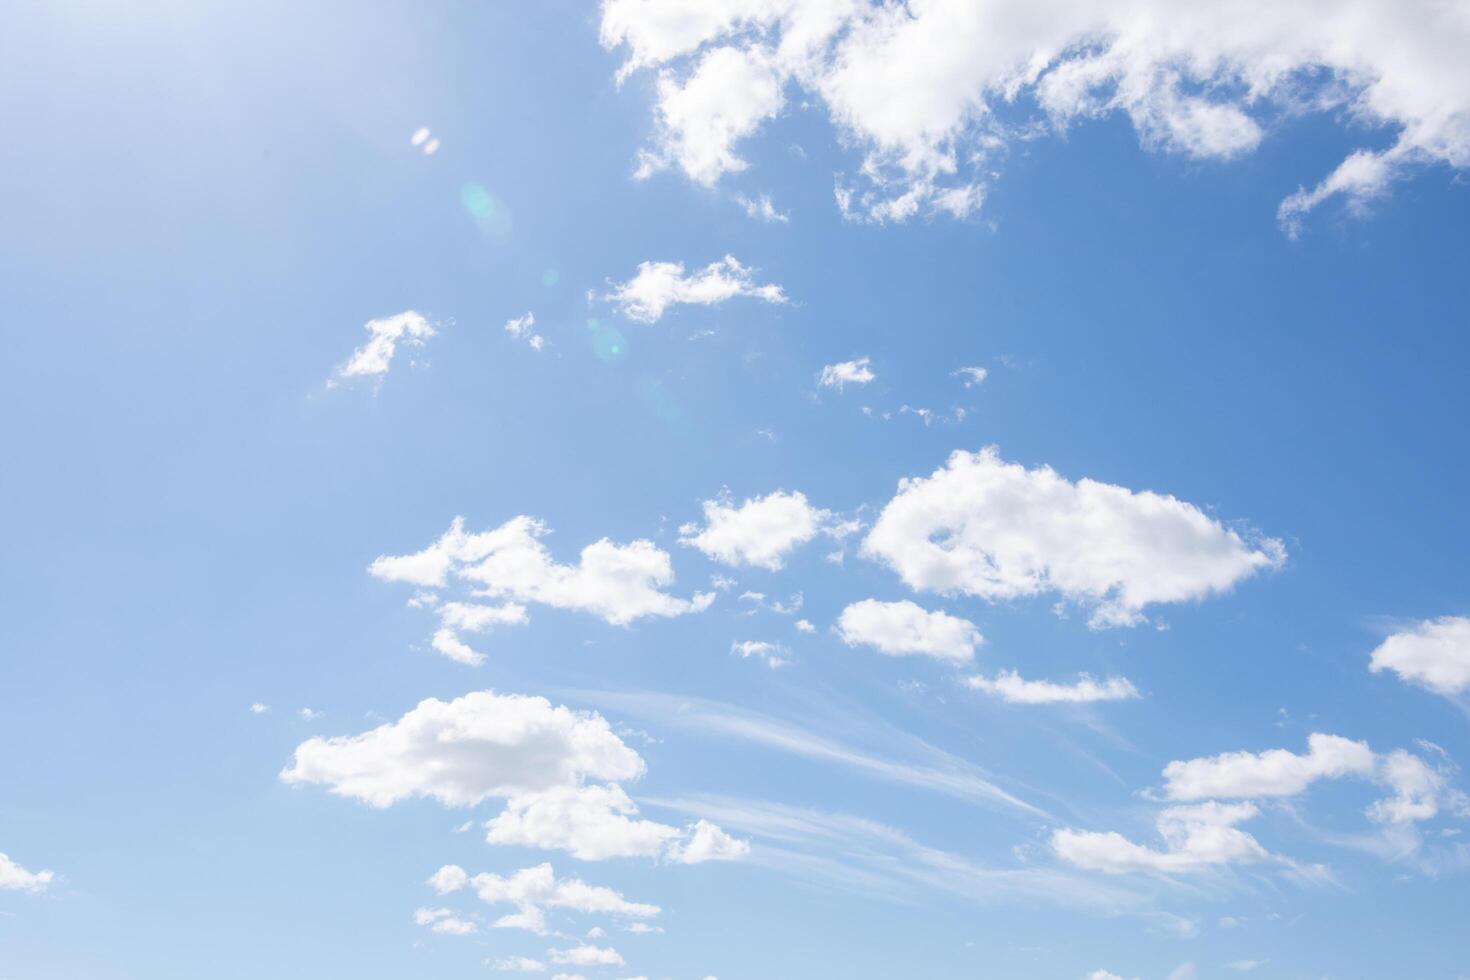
(1435, 655)
(534, 890)
(1418, 789)
(13, 877)
(845, 373)
(984, 527)
(557, 770)
(445, 922)
(760, 531)
(617, 582)
(660, 285)
(374, 358)
(464, 751)
(773, 655)
(1010, 686)
(524, 328)
(586, 955)
(902, 628)
(932, 92)
(707, 842)
(1195, 837)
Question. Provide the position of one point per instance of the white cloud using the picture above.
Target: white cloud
(618, 582)
(804, 626)
(1245, 966)
(374, 358)
(535, 889)
(762, 209)
(981, 526)
(1009, 686)
(901, 628)
(1102, 975)
(586, 955)
(660, 285)
(259, 709)
(308, 714)
(536, 756)
(972, 375)
(1418, 788)
(708, 842)
(773, 655)
(1434, 654)
(461, 752)
(641, 928)
(846, 373)
(760, 532)
(445, 921)
(13, 877)
(927, 90)
(1196, 837)
(520, 964)
(523, 328)
(592, 823)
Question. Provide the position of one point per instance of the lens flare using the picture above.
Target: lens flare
(488, 211)
(607, 342)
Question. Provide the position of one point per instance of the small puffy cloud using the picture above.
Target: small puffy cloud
(523, 328)
(461, 752)
(374, 358)
(586, 955)
(1009, 686)
(1434, 654)
(759, 532)
(617, 582)
(535, 889)
(1196, 837)
(707, 842)
(903, 628)
(773, 655)
(660, 285)
(445, 921)
(804, 626)
(846, 373)
(259, 709)
(983, 527)
(13, 877)
(761, 209)
(309, 714)
(972, 376)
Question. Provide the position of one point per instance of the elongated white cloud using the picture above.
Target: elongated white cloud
(981, 526)
(520, 964)
(617, 582)
(902, 628)
(538, 757)
(13, 877)
(1434, 655)
(467, 750)
(926, 90)
(1010, 686)
(761, 531)
(845, 373)
(445, 921)
(1196, 837)
(1417, 787)
(535, 889)
(586, 955)
(374, 358)
(660, 285)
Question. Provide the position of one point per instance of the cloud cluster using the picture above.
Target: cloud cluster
(524, 328)
(534, 890)
(557, 770)
(1195, 837)
(374, 358)
(984, 527)
(659, 285)
(932, 92)
(619, 583)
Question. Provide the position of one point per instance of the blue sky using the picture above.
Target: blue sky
(1157, 667)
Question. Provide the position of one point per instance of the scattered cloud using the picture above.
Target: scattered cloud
(902, 628)
(259, 709)
(845, 373)
(761, 209)
(660, 285)
(618, 583)
(983, 527)
(445, 921)
(972, 376)
(586, 955)
(928, 93)
(708, 842)
(13, 877)
(1195, 837)
(374, 358)
(534, 890)
(773, 655)
(523, 328)
(759, 532)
